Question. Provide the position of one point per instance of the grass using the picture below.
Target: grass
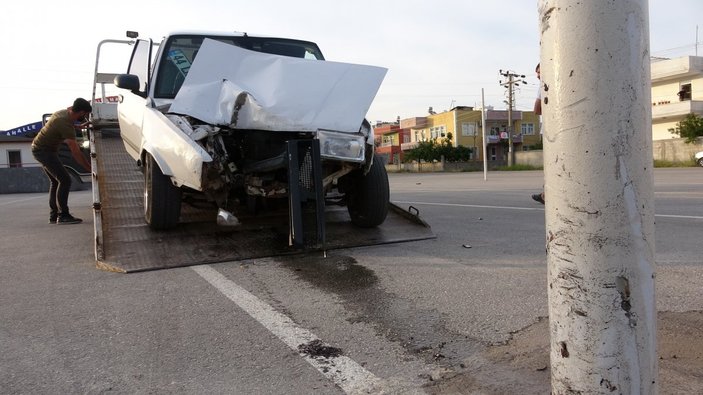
(518, 168)
(657, 163)
(666, 163)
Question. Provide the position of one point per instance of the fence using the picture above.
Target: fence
(671, 150)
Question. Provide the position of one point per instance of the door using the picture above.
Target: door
(132, 105)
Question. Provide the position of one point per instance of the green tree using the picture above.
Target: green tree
(689, 128)
(434, 150)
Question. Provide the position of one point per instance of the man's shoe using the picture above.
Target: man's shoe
(538, 198)
(67, 219)
(53, 218)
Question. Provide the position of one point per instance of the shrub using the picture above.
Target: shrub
(434, 150)
(689, 128)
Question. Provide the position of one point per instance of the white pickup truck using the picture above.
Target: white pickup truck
(222, 114)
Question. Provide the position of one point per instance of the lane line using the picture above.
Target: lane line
(471, 205)
(679, 216)
(351, 377)
(525, 208)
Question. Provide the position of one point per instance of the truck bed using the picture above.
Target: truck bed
(124, 243)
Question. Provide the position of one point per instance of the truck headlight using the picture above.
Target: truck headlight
(341, 146)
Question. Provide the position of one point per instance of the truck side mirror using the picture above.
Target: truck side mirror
(128, 81)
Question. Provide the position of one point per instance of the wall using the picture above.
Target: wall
(469, 117)
(675, 150)
(671, 150)
(665, 92)
(660, 129)
(23, 180)
(25, 149)
(30, 180)
(428, 167)
(531, 139)
(531, 158)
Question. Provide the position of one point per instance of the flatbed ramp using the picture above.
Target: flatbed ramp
(124, 243)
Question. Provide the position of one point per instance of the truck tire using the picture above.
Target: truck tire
(162, 200)
(367, 201)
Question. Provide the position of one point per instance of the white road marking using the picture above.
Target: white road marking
(526, 208)
(343, 371)
(679, 216)
(472, 205)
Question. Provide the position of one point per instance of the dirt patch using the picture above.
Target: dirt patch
(522, 365)
(680, 342)
(316, 348)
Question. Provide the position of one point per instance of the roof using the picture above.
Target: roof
(15, 139)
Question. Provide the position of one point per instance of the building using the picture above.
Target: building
(677, 90)
(389, 137)
(463, 125)
(15, 146)
(19, 170)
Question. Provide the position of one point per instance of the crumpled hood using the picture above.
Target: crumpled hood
(231, 86)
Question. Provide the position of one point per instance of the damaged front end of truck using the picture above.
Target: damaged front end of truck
(266, 129)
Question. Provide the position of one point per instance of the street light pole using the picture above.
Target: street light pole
(599, 195)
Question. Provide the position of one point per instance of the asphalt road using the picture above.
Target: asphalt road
(392, 318)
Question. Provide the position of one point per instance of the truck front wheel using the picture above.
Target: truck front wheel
(367, 200)
(162, 200)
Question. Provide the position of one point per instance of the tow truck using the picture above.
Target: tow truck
(226, 146)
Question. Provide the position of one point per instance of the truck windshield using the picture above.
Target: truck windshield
(180, 52)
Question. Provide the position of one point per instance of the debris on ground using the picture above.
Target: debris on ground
(317, 348)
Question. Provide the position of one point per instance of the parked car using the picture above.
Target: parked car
(699, 158)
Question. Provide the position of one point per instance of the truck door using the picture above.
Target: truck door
(133, 104)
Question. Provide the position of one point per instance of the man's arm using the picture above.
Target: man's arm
(77, 153)
(538, 106)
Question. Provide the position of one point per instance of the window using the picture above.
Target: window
(527, 129)
(139, 65)
(14, 158)
(180, 52)
(685, 91)
(497, 130)
(437, 131)
(406, 138)
(468, 128)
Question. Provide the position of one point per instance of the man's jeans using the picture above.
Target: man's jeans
(58, 177)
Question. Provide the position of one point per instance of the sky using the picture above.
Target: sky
(439, 54)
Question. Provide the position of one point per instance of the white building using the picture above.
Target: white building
(677, 90)
(16, 144)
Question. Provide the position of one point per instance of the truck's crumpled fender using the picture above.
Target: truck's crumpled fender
(275, 93)
(175, 152)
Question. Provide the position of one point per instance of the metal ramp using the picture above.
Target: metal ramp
(124, 243)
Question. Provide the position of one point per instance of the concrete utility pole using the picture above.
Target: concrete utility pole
(599, 195)
(513, 79)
